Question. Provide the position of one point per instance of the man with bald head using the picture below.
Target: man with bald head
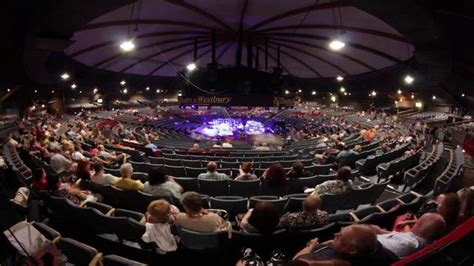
(311, 217)
(355, 245)
(212, 173)
(425, 230)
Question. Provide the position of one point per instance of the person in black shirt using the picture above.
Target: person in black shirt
(297, 171)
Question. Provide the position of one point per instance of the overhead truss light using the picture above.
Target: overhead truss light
(336, 45)
(409, 79)
(73, 86)
(147, 88)
(125, 91)
(123, 82)
(191, 67)
(333, 98)
(339, 78)
(373, 93)
(127, 45)
(287, 92)
(313, 93)
(434, 97)
(65, 76)
(342, 89)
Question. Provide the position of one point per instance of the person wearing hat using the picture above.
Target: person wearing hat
(196, 218)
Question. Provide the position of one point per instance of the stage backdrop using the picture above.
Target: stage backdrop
(237, 101)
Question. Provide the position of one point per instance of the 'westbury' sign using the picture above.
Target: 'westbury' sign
(237, 101)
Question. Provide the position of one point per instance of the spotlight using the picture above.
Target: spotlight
(313, 93)
(409, 79)
(339, 78)
(73, 86)
(123, 82)
(8, 90)
(36, 91)
(33, 107)
(413, 96)
(65, 76)
(42, 106)
(191, 67)
(396, 102)
(95, 90)
(299, 91)
(336, 45)
(158, 91)
(147, 88)
(80, 92)
(52, 91)
(287, 92)
(434, 97)
(399, 91)
(345, 93)
(180, 94)
(125, 91)
(333, 98)
(127, 45)
(342, 89)
(462, 95)
(373, 93)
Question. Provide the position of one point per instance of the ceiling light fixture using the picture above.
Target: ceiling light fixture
(287, 92)
(373, 93)
(413, 96)
(123, 82)
(73, 86)
(409, 79)
(399, 91)
(339, 78)
(333, 98)
(65, 76)
(342, 89)
(336, 45)
(127, 45)
(191, 67)
(125, 91)
(313, 93)
(147, 88)
(462, 95)
(434, 97)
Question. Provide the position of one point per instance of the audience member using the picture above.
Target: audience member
(341, 185)
(196, 148)
(100, 177)
(158, 227)
(212, 173)
(354, 245)
(425, 230)
(196, 218)
(160, 184)
(466, 196)
(275, 175)
(263, 219)
(60, 162)
(297, 171)
(58, 189)
(311, 217)
(39, 179)
(126, 182)
(245, 172)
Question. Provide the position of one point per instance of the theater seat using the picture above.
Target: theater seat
(78, 253)
(199, 241)
(115, 260)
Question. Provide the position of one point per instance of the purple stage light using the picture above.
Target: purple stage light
(229, 127)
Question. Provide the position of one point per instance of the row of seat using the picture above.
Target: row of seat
(226, 162)
(389, 169)
(174, 170)
(417, 174)
(21, 170)
(368, 166)
(78, 253)
(453, 170)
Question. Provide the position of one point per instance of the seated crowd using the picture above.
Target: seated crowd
(358, 244)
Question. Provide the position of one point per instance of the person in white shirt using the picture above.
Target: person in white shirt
(158, 228)
(425, 230)
(151, 146)
(100, 177)
(59, 162)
